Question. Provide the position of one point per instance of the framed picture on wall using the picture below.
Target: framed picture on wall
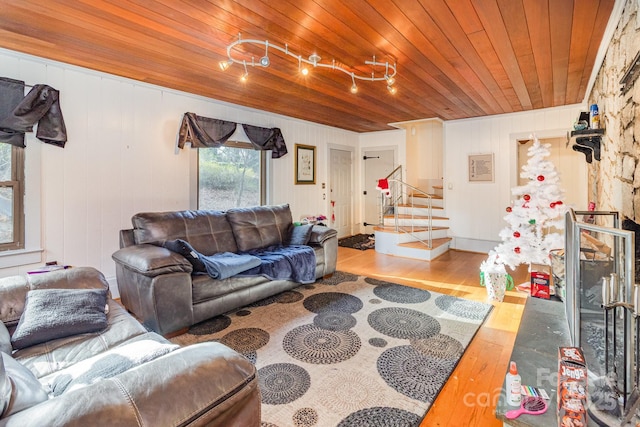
(305, 166)
(481, 167)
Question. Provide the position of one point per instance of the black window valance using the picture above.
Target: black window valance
(204, 132)
(18, 113)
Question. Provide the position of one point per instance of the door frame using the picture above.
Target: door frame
(325, 191)
(363, 184)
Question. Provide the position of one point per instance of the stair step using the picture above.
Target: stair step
(418, 217)
(392, 229)
(406, 205)
(423, 196)
(437, 187)
(435, 243)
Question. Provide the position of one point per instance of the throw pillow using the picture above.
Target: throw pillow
(186, 250)
(24, 389)
(300, 234)
(57, 313)
(5, 339)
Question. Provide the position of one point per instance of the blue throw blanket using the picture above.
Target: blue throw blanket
(293, 262)
(227, 264)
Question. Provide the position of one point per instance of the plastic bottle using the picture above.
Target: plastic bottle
(594, 117)
(513, 385)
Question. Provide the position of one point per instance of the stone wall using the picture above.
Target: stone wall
(614, 182)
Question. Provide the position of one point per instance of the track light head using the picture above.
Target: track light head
(314, 59)
(390, 80)
(354, 87)
(224, 65)
(264, 61)
(245, 76)
(392, 89)
(304, 71)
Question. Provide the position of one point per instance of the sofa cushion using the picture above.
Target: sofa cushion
(261, 226)
(5, 339)
(300, 234)
(207, 231)
(110, 363)
(205, 288)
(186, 250)
(26, 390)
(56, 313)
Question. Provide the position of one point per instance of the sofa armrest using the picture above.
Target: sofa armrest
(202, 384)
(320, 233)
(150, 260)
(328, 239)
(155, 284)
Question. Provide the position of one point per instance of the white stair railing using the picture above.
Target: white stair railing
(402, 193)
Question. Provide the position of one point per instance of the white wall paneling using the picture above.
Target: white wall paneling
(477, 209)
(121, 159)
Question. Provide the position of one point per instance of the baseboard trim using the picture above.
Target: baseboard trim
(473, 245)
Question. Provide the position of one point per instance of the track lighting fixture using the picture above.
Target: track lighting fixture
(313, 60)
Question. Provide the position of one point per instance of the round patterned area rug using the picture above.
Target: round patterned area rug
(348, 350)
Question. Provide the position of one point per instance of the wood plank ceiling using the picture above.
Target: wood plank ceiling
(456, 58)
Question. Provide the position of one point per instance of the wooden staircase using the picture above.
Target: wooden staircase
(410, 236)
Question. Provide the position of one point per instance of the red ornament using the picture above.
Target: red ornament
(552, 204)
(509, 209)
(559, 202)
(516, 250)
(526, 197)
(541, 178)
(516, 234)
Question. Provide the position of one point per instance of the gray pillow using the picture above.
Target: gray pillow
(26, 390)
(5, 339)
(57, 313)
(300, 234)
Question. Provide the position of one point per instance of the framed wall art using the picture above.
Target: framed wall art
(481, 167)
(305, 167)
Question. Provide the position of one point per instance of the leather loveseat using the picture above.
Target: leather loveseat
(160, 286)
(115, 373)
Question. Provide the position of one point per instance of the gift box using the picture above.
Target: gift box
(541, 281)
(572, 387)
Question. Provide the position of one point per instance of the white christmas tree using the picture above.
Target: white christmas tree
(535, 218)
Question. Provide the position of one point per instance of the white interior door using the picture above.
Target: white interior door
(377, 165)
(341, 191)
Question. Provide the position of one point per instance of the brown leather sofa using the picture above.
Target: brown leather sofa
(160, 287)
(104, 384)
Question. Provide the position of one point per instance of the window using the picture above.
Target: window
(11, 197)
(231, 176)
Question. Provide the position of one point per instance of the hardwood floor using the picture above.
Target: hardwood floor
(470, 395)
